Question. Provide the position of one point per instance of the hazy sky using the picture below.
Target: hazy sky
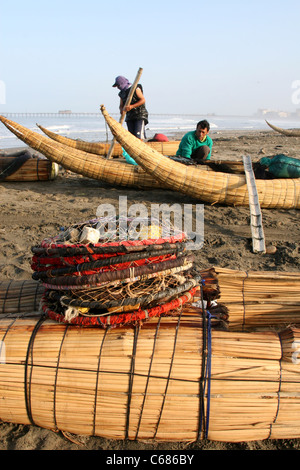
(223, 57)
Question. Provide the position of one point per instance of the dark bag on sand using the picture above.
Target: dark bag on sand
(11, 163)
(281, 166)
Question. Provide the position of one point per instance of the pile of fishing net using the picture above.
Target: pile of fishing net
(111, 271)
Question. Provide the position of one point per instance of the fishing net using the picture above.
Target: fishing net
(120, 319)
(109, 272)
(110, 235)
(103, 264)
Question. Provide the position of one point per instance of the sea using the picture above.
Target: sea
(93, 128)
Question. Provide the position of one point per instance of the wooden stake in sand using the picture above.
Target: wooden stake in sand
(128, 101)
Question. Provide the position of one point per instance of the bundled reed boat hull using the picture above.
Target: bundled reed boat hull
(83, 163)
(287, 132)
(22, 167)
(146, 383)
(211, 187)
(99, 148)
(166, 148)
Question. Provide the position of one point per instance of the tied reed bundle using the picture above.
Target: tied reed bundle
(260, 299)
(33, 169)
(147, 382)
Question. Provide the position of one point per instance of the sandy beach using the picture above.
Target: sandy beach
(31, 211)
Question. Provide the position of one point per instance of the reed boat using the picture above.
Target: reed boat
(97, 168)
(102, 148)
(287, 132)
(211, 187)
(168, 149)
(83, 163)
(22, 166)
(174, 378)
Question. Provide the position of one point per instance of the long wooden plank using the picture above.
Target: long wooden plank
(258, 237)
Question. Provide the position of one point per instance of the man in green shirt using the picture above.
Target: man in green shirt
(197, 144)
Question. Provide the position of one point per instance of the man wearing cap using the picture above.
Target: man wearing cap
(197, 144)
(136, 112)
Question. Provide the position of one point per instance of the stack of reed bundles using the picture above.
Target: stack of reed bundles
(147, 382)
(255, 300)
(260, 298)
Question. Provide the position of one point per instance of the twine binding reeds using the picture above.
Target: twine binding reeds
(17, 296)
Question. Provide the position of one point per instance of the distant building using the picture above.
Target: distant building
(270, 113)
(65, 111)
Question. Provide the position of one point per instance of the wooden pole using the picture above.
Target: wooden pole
(128, 101)
(258, 238)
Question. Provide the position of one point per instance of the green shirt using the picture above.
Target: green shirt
(190, 143)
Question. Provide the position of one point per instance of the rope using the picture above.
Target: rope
(244, 304)
(97, 382)
(6, 295)
(131, 377)
(51, 246)
(27, 386)
(279, 387)
(56, 375)
(208, 372)
(131, 246)
(148, 378)
(80, 264)
(87, 269)
(20, 296)
(73, 282)
(169, 375)
(203, 367)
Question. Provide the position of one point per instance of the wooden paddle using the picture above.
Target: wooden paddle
(128, 101)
